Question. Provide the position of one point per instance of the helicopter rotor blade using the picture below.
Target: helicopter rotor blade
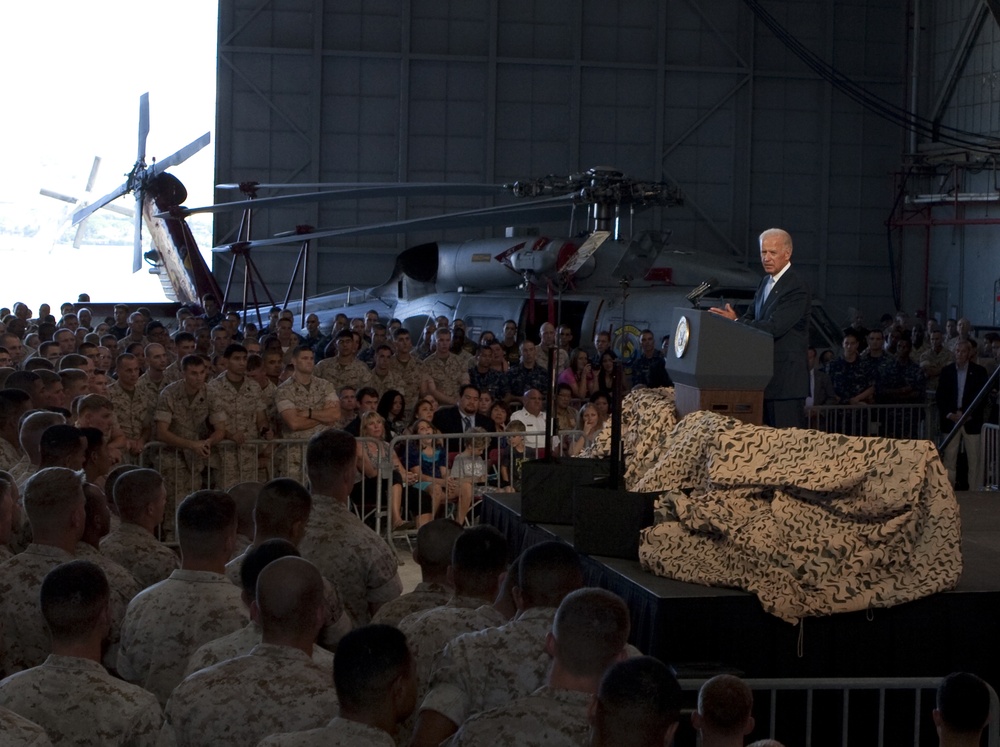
(93, 174)
(354, 192)
(87, 210)
(137, 235)
(179, 156)
(143, 127)
(553, 208)
(352, 185)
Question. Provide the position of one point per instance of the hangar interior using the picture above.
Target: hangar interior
(863, 127)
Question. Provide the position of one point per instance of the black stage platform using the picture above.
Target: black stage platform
(704, 630)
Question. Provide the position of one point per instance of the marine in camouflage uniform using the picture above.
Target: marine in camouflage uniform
(486, 669)
(167, 623)
(25, 637)
(149, 560)
(123, 588)
(184, 470)
(241, 643)
(240, 701)
(448, 373)
(341, 373)
(318, 394)
(519, 379)
(342, 547)
(79, 703)
(426, 596)
(19, 732)
(546, 718)
(240, 408)
(340, 732)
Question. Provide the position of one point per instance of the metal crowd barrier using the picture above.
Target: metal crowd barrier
(990, 444)
(820, 710)
(886, 421)
(262, 460)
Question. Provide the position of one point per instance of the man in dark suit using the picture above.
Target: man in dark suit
(462, 417)
(958, 386)
(781, 307)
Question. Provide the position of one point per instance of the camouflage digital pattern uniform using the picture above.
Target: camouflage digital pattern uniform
(490, 668)
(424, 597)
(241, 643)
(289, 395)
(240, 701)
(149, 560)
(25, 638)
(428, 632)
(5, 554)
(353, 373)
(10, 455)
(78, 703)
(406, 377)
(134, 410)
(123, 588)
(19, 732)
(167, 623)
(238, 409)
(546, 718)
(491, 381)
(343, 548)
(519, 379)
(340, 732)
(338, 623)
(182, 470)
(448, 373)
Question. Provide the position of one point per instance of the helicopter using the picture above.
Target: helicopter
(597, 276)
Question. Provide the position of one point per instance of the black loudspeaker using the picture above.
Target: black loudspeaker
(607, 520)
(547, 487)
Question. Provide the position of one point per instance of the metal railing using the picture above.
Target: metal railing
(887, 421)
(990, 444)
(877, 709)
(261, 460)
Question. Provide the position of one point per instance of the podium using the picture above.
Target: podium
(719, 365)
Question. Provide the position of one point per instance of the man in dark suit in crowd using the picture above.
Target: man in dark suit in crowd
(462, 417)
(781, 307)
(958, 386)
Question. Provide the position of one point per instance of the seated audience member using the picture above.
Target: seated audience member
(589, 634)
(167, 622)
(963, 710)
(469, 472)
(71, 695)
(637, 705)
(282, 511)
(470, 676)
(242, 641)
(724, 715)
(435, 543)
(10, 518)
(336, 540)
(32, 428)
(376, 687)
(513, 456)
(13, 404)
(141, 499)
(277, 684)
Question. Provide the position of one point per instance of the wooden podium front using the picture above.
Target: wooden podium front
(745, 405)
(719, 365)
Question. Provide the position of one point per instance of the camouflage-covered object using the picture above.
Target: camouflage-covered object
(20, 732)
(77, 702)
(812, 523)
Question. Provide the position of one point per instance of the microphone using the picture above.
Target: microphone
(701, 290)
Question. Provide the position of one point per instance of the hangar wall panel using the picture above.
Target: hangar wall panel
(700, 94)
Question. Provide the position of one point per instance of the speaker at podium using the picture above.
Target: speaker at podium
(719, 365)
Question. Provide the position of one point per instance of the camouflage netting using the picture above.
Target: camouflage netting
(810, 522)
